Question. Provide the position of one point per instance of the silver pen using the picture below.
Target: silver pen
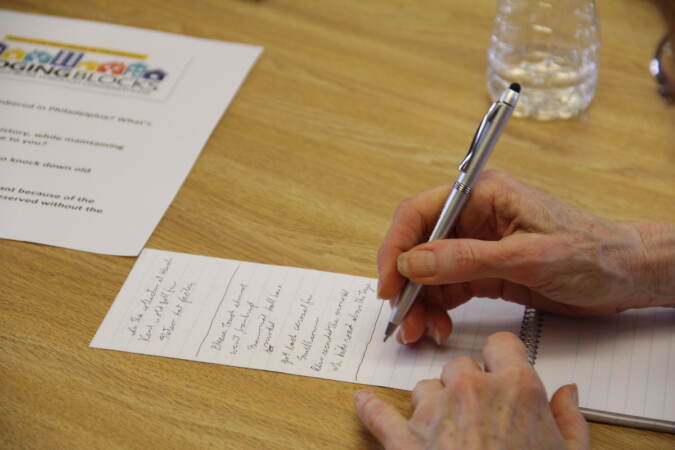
(483, 142)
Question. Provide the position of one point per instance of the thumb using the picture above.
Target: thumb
(454, 261)
(572, 425)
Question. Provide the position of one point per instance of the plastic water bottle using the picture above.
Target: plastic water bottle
(550, 48)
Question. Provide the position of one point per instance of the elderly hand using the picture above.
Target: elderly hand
(517, 243)
(504, 406)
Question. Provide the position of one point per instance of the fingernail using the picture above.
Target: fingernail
(417, 263)
(574, 394)
(433, 332)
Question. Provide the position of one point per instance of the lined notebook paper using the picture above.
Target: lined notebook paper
(284, 319)
(624, 365)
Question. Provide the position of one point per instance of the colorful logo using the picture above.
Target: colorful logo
(80, 65)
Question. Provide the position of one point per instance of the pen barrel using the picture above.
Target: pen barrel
(451, 209)
(487, 143)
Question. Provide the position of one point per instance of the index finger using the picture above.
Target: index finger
(410, 226)
(504, 350)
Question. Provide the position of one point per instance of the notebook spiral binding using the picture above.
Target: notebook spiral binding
(530, 332)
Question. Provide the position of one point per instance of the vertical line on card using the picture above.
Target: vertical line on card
(199, 349)
(356, 377)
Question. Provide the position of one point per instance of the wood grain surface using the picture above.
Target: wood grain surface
(353, 106)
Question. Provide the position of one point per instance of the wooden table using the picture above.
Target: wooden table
(353, 106)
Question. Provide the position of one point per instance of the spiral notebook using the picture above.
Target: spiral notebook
(623, 365)
(330, 325)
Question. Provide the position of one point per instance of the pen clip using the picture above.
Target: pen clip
(480, 132)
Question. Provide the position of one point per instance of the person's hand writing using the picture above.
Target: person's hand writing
(504, 406)
(517, 243)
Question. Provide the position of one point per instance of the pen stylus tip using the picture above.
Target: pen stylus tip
(515, 87)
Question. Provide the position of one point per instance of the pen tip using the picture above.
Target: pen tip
(391, 327)
(515, 87)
